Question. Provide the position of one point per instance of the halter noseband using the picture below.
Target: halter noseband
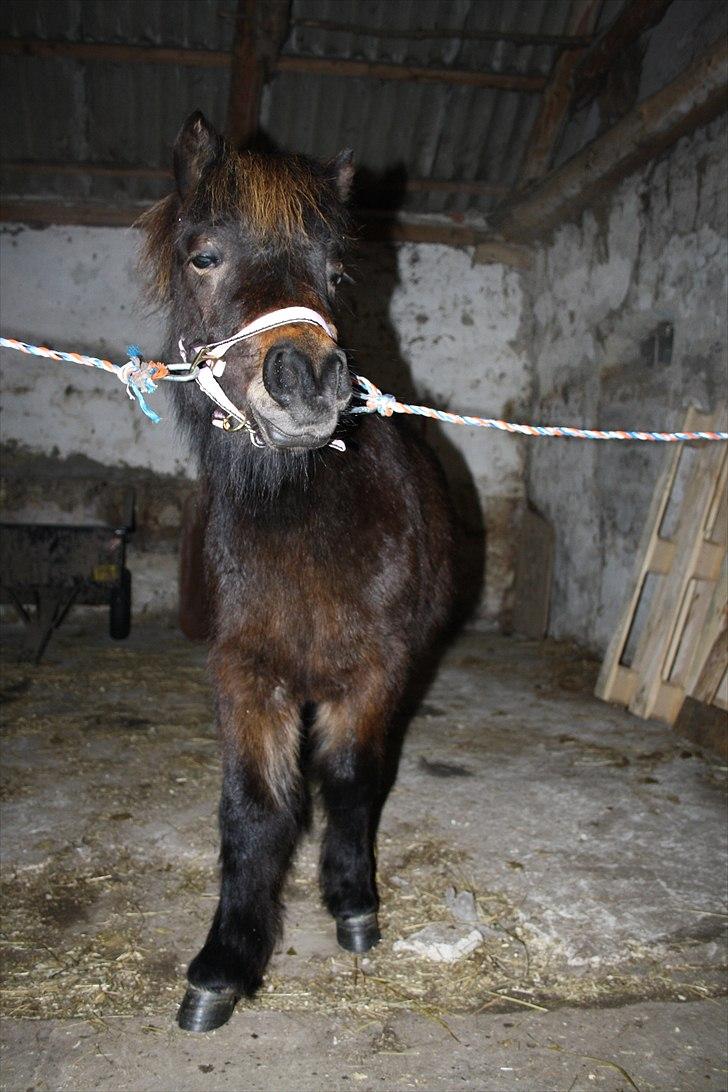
(209, 364)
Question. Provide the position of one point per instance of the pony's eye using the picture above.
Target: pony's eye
(335, 279)
(204, 261)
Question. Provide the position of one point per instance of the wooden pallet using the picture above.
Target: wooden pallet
(683, 634)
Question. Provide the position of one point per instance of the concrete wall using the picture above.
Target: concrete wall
(424, 321)
(654, 255)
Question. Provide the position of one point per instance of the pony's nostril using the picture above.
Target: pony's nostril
(291, 378)
(286, 373)
(335, 375)
(344, 379)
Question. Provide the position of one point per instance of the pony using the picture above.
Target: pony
(327, 540)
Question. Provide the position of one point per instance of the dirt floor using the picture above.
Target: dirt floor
(593, 846)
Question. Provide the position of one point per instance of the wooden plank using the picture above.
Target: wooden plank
(663, 630)
(499, 252)
(687, 649)
(623, 685)
(721, 697)
(114, 53)
(372, 227)
(650, 545)
(335, 66)
(414, 34)
(555, 101)
(661, 557)
(103, 170)
(709, 661)
(60, 212)
(691, 100)
(321, 66)
(376, 227)
(708, 561)
(593, 64)
(470, 187)
(666, 704)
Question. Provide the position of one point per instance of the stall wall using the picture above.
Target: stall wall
(424, 321)
(629, 329)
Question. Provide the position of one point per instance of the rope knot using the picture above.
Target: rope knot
(138, 378)
(382, 403)
(375, 401)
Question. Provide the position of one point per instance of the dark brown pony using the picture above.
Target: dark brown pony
(329, 570)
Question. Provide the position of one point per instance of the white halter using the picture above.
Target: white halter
(207, 374)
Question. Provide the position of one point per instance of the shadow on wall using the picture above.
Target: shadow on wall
(373, 344)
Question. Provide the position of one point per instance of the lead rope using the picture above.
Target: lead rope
(140, 377)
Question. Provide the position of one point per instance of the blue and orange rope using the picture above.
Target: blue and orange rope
(140, 378)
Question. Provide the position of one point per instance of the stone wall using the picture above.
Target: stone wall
(423, 321)
(629, 329)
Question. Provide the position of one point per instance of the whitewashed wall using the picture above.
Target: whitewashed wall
(423, 320)
(655, 253)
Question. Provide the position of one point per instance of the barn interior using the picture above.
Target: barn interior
(540, 209)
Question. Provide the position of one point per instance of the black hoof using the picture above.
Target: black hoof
(358, 934)
(204, 1010)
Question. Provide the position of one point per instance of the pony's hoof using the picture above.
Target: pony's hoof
(204, 1010)
(358, 934)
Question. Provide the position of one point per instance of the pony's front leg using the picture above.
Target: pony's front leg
(260, 816)
(350, 762)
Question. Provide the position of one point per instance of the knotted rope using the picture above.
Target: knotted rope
(139, 377)
(386, 404)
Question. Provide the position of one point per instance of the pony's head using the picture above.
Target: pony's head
(246, 235)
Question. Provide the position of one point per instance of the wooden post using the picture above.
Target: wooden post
(260, 28)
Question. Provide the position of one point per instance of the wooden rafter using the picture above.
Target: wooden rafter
(442, 34)
(472, 188)
(696, 96)
(322, 66)
(329, 66)
(594, 63)
(373, 224)
(556, 99)
(114, 53)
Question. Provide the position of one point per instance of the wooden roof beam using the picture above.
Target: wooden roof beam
(418, 35)
(472, 188)
(594, 63)
(330, 66)
(115, 53)
(556, 100)
(693, 99)
(322, 66)
(375, 227)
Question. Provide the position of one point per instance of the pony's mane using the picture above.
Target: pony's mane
(280, 200)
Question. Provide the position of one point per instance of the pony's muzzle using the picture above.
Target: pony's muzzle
(292, 380)
(308, 396)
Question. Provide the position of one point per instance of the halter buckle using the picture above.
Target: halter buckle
(227, 423)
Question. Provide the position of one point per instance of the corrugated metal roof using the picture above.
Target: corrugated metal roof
(183, 24)
(60, 109)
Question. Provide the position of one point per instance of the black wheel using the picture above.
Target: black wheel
(120, 607)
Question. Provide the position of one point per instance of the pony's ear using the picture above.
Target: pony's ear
(198, 144)
(342, 170)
